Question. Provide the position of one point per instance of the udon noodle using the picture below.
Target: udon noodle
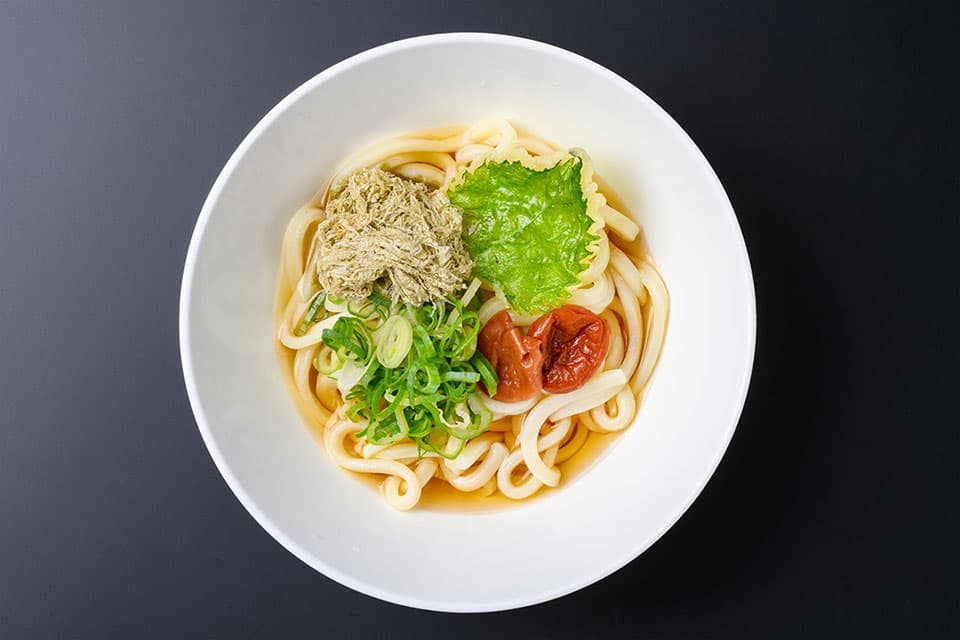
(520, 451)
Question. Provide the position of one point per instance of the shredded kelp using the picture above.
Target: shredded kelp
(387, 234)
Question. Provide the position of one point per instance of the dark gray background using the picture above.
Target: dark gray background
(834, 130)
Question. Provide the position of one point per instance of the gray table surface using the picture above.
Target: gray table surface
(834, 129)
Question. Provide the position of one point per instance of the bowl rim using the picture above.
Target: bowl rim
(186, 353)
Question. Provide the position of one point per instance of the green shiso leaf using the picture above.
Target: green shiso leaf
(526, 230)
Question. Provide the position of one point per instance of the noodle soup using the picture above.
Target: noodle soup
(467, 316)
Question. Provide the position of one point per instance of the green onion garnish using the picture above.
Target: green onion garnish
(310, 317)
(411, 372)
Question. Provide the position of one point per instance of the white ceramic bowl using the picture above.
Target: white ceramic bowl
(574, 535)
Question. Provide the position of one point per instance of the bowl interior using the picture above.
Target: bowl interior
(447, 560)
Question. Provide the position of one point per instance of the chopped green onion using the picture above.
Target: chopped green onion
(351, 338)
(394, 340)
(424, 377)
(436, 443)
(402, 423)
(365, 311)
(310, 317)
(369, 372)
(326, 361)
(461, 376)
(411, 372)
(380, 300)
(423, 343)
(487, 373)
